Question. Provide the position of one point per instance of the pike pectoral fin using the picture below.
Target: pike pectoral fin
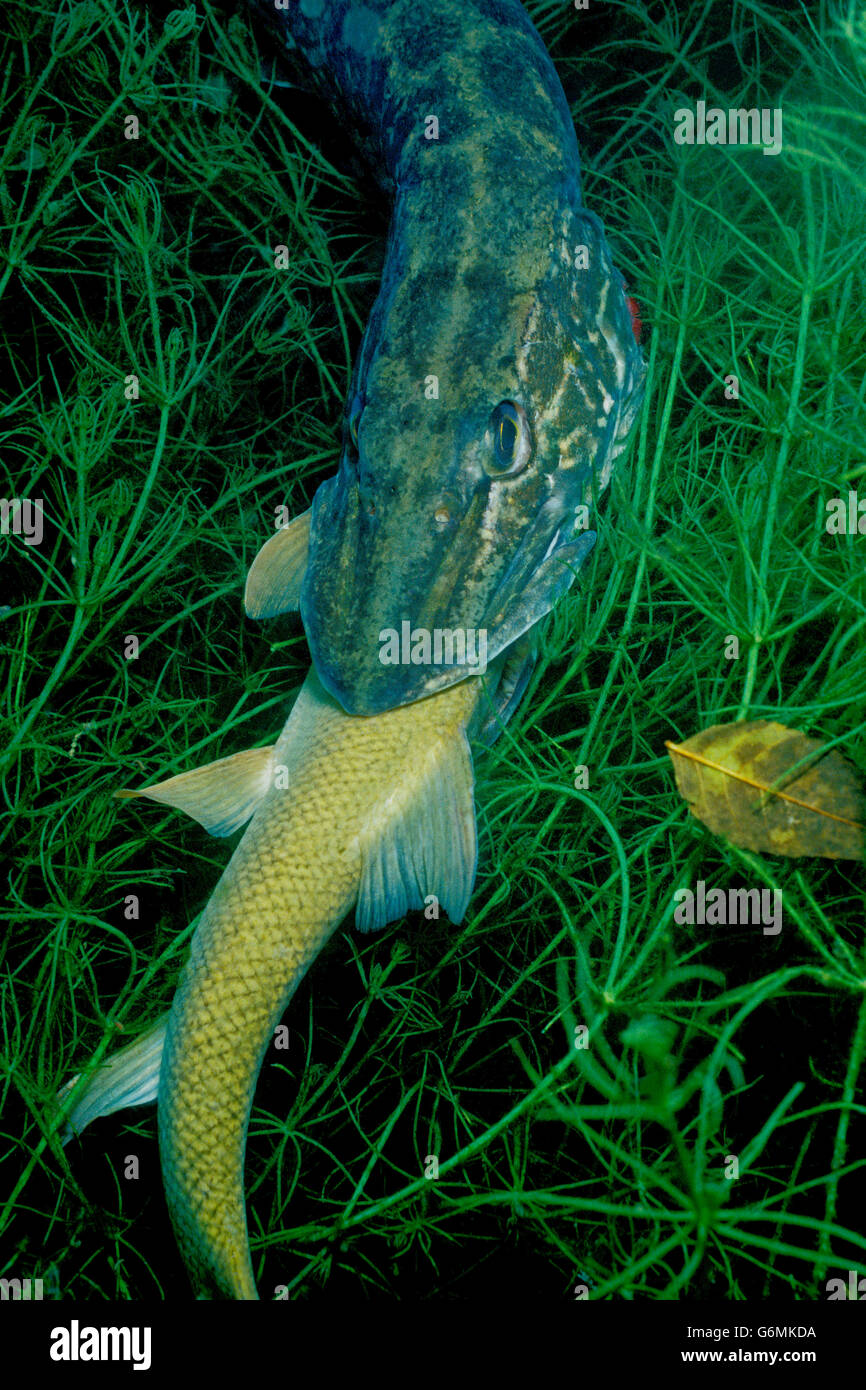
(221, 796)
(274, 580)
(427, 847)
(130, 1077)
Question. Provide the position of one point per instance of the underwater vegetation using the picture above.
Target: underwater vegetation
(618, 1102)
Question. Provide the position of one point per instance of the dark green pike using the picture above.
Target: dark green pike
(498, 376)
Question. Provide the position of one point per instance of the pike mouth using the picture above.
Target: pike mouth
(516, 606)
(516, 610)
(413, 661)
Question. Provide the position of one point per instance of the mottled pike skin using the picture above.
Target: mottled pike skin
(294, 876)
(484, 288)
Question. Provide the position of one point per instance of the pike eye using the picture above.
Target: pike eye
(511, 440)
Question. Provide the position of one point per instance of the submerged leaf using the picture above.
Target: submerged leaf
(771, 789)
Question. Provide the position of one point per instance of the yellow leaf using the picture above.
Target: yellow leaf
(749, 783)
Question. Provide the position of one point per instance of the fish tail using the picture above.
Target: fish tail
(221, 1024)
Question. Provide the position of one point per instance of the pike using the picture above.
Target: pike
(498, 377)
(496, 384)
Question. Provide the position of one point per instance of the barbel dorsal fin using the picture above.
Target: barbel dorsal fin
(221, 796)
(274, 581)
(428, 849)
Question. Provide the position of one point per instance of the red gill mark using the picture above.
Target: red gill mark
(634, 310)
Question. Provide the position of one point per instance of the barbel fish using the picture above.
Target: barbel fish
(373, 813)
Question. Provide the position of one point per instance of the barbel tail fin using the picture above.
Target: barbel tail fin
(274, 581)
(428, 848)
(130, 1077)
